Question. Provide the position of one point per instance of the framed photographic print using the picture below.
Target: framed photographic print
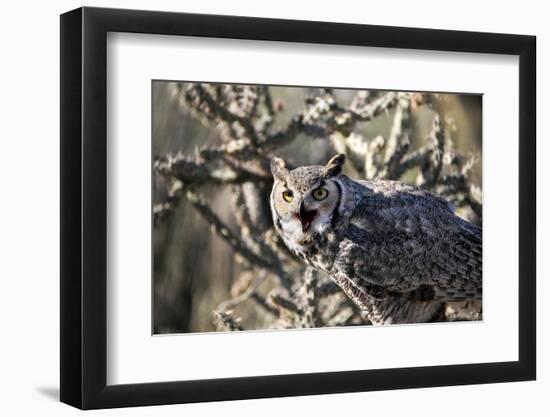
(257, 207)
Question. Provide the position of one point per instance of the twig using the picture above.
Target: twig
(227, 304)
(378, 106)
(264, 304)
(435, 142)
(193, 172)
(330, 288)
(223, 231)
(163, 211)
(286, 304)
(224, 114)
(227, 322)
(310, 316)
(398, 142)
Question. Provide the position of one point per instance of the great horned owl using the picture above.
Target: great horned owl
(399, 252)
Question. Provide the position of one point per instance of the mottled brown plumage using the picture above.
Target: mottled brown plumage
(399, 252)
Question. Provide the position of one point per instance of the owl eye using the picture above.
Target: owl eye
(320, 194)
(288, 196)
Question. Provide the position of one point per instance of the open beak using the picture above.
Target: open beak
(306, 217)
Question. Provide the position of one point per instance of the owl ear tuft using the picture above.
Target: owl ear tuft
(335, 165)
(278, 168)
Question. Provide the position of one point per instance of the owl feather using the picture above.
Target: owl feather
(398, 251)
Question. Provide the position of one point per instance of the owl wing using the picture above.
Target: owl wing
(408, 241)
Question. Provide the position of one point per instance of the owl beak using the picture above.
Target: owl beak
(306, 217)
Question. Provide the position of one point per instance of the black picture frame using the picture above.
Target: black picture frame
(84, 207)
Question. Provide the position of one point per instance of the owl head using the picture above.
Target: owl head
(304, 200)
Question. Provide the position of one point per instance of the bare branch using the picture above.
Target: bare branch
(286, 304)
(310, 306)
(223, 231)
(190, 171)
(252, 288)
(435, 142)
(330, 288)
(378, 106)
(398, 142)
(264, 304)
(227, 322)
(202, 100)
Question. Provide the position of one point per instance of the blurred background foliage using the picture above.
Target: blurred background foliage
(196, 270)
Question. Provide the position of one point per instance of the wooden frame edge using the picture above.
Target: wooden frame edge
(83, 208)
